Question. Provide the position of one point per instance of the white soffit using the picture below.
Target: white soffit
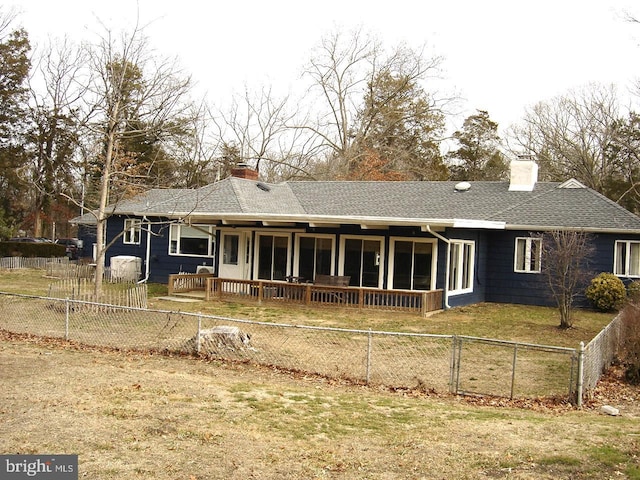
(483, 224)
(365, 226)
(278, 224)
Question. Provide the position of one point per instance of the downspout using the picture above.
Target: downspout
(147, 269)
(446, 271)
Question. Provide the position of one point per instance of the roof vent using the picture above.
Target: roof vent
(571, 183)
(462, 186)
(263, 187)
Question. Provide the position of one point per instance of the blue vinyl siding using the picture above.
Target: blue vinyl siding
(494, 278)
(115, 226)
(161, 264)
(504, 285)
(87, 233)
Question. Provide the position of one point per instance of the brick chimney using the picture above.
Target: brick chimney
(242, 170)
(524, 175)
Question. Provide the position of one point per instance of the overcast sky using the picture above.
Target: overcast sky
(500, 56)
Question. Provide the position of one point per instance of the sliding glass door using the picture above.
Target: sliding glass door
(361, 260)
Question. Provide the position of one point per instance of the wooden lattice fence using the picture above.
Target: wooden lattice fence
(83, 289)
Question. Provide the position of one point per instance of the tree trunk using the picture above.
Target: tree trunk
(101, 221)
(565, 313)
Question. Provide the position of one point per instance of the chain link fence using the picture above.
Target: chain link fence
(601, 352)
(434, 363)
(514, 370)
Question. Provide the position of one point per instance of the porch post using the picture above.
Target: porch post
(447, 261)
(425, 308)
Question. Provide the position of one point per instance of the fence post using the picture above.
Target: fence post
(580, 385)
(66, 319)
(369, 356)
(513, 369)
(198, 334)
(453, 387)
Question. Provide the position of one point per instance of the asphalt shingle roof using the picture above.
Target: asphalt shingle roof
(547, 205)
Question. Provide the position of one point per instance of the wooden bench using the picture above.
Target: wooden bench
(332, 280)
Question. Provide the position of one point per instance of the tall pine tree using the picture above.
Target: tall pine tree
(14, 69)
(478, 156)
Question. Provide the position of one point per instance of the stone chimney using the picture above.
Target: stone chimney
(242, 170)
(524, 175)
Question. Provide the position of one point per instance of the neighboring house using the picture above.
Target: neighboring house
(472, 240)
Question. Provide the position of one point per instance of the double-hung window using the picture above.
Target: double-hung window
(527, 255)
(627, 259)
(192, 240)
(461, 266)
(132, 227)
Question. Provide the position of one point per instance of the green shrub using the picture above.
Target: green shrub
(606, 292)
(633, 291)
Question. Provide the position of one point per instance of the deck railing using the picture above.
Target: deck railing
(187, 282)
(420, 302)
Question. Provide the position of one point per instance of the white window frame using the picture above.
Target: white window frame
(459, 280)
(175, 234)
(434, 258)
(380, 259)
(296, 253)
(132, 231)
(528, 243)
(256, 252)
(627, 258)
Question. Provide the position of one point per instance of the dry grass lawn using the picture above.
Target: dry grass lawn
(506, 322)
(154, 417)
(159, 417)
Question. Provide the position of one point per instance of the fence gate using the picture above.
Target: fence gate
(510, 369)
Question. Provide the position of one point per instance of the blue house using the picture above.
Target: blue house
(474, 241)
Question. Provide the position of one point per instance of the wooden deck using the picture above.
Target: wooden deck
(419, 302)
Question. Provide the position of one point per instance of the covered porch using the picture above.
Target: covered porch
(309, 294)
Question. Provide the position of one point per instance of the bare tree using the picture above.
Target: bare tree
(256, 127)
(194, 152)
(359, 84)
(52, 137)
(634, 19)
(570, 136)
(624, 185)
(133, 94)
(340, 70)
(565, 260)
